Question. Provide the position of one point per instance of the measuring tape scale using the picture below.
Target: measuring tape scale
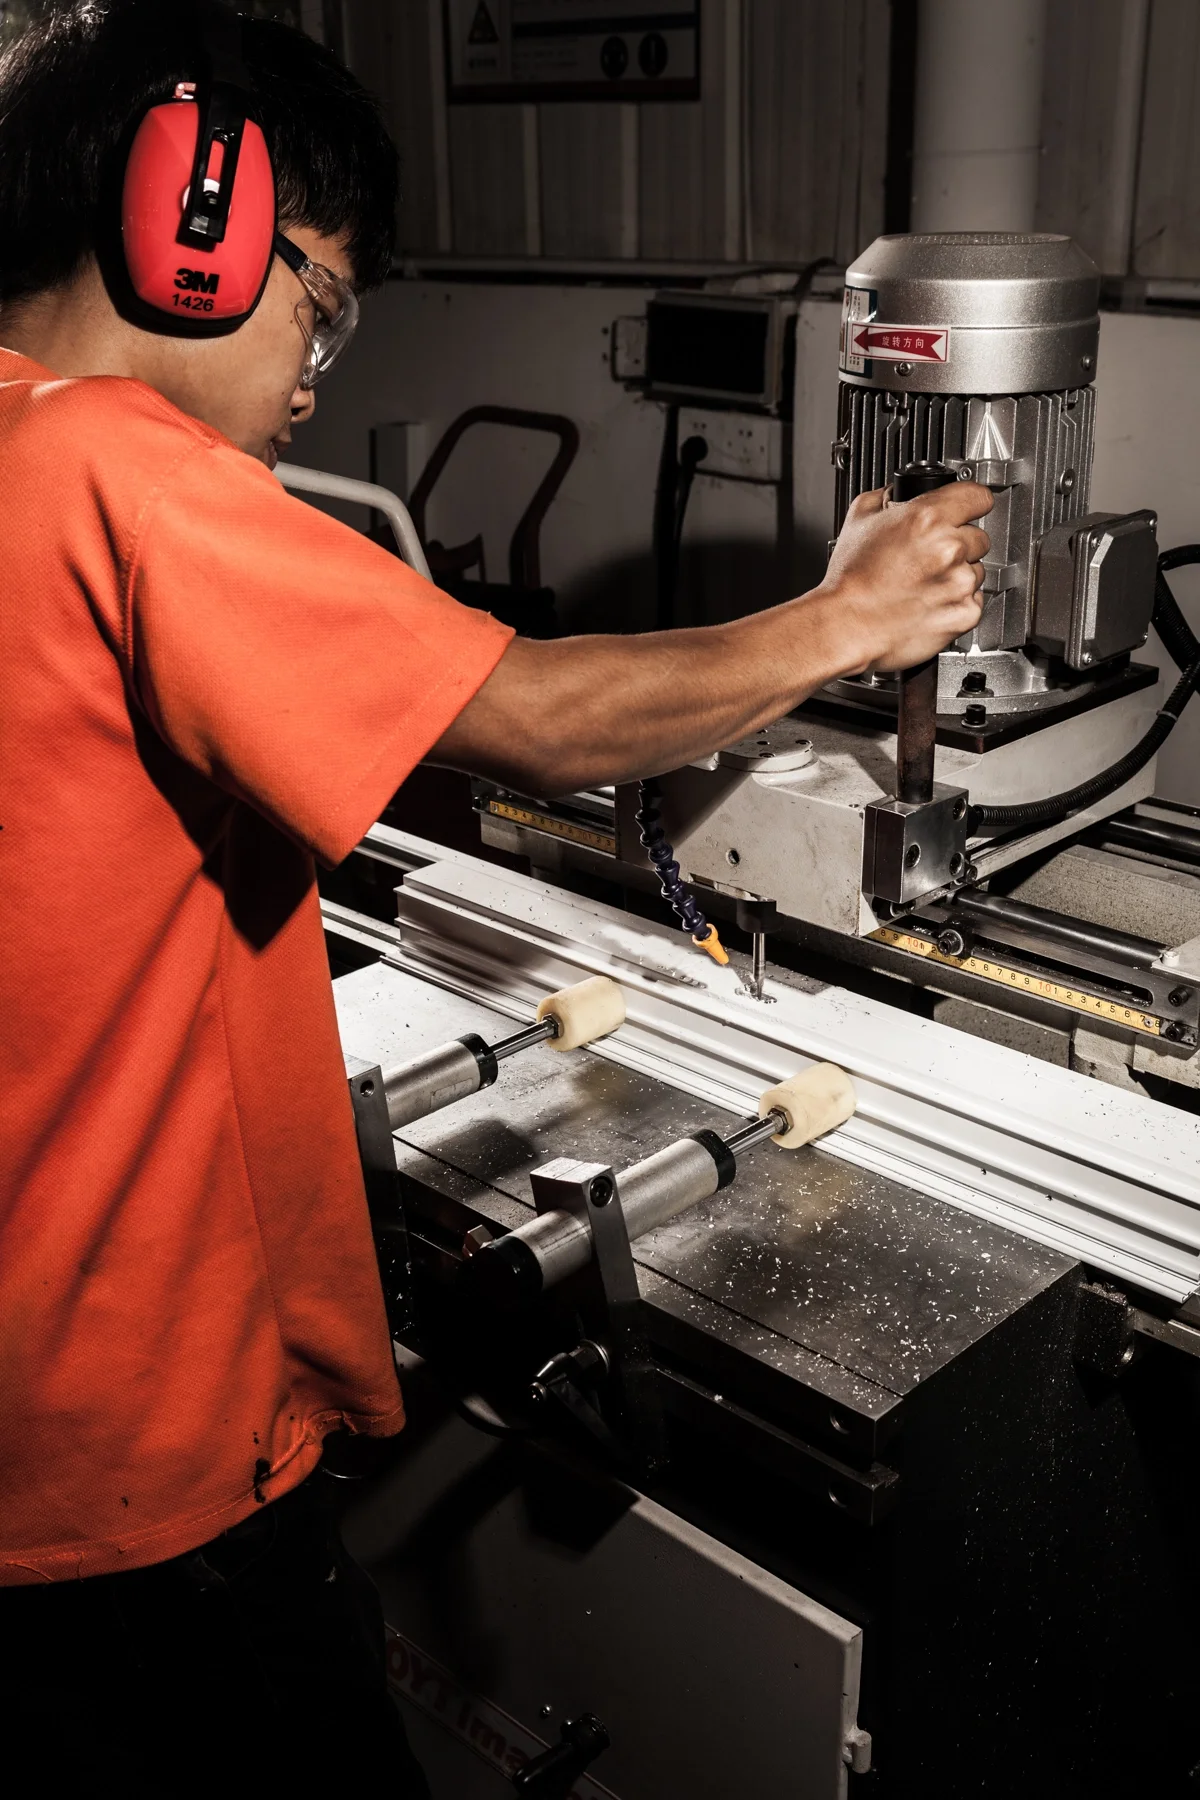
(1114, 1011)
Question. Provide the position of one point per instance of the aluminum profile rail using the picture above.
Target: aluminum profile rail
(1106, 1176)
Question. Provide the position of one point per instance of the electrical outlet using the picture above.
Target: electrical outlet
(741, 446)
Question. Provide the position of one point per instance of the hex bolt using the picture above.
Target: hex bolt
(951, 942)
(958, 865)
(601, 1190)
(975, 714)
(973, 682)
(912, 856)
(1179, 996)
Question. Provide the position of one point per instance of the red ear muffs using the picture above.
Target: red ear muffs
(205, 290)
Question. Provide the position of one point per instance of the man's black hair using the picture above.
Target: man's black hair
(74, 84)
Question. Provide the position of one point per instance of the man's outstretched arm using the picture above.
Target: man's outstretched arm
(553, 717)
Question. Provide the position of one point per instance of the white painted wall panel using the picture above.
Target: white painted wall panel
(428, 350)
(1147, 404)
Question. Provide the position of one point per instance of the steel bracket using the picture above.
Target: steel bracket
(610, 1304)
(385, 1192)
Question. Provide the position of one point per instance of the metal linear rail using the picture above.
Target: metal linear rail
(1107, 1176)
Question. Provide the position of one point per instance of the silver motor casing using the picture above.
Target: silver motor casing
(1004, 329)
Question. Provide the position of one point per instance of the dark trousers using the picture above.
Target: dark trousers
(252, 1664)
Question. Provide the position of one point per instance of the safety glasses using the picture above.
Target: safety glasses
(335, 311)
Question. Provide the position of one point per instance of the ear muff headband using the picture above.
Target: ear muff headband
(198, 211)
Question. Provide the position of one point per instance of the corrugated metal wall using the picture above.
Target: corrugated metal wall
(781, 159)
(1167, 221)
(1121, 130)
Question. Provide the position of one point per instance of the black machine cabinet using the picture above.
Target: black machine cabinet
(884, 1410)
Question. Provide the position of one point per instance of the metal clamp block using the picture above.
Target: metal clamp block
(910, 851)
(385, 1196)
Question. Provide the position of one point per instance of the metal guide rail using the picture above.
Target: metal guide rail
(1025, 981)
(587, 819)
(1128, 981)
(553, 827)
(1104, 1175)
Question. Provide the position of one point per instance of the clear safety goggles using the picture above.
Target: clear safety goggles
(334, 308)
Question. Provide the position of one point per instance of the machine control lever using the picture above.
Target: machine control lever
(570, 1382)
(552, 1775)
(916, 723)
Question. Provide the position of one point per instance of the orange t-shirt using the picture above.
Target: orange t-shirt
(203, 684)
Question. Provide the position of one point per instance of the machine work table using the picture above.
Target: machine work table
(869, 1286)
(879, 1431)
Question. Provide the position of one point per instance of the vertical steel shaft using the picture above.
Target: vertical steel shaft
(916, 721)
(758, 962)
(916, 730)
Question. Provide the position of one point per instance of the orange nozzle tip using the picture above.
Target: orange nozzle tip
(713, 945)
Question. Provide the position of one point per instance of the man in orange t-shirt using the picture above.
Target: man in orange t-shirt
(205, 686)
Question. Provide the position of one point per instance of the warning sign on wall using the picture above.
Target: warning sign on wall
(572, 49)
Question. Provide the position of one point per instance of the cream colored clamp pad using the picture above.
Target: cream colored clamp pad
(585, 1012)
(813, 1102)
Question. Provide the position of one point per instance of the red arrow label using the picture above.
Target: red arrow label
(903, 343)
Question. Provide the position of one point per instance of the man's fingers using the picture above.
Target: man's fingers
(869, 502)
(958, 502)
(977, 543)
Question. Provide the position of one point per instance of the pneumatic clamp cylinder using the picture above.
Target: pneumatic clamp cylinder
(513, 1270)
(567, 1020)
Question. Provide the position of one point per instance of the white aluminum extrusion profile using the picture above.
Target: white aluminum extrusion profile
(1106, 1176)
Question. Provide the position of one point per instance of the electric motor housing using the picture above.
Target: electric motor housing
(978, 350)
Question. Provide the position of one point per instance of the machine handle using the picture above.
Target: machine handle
(916, 719)
(552, 1775)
